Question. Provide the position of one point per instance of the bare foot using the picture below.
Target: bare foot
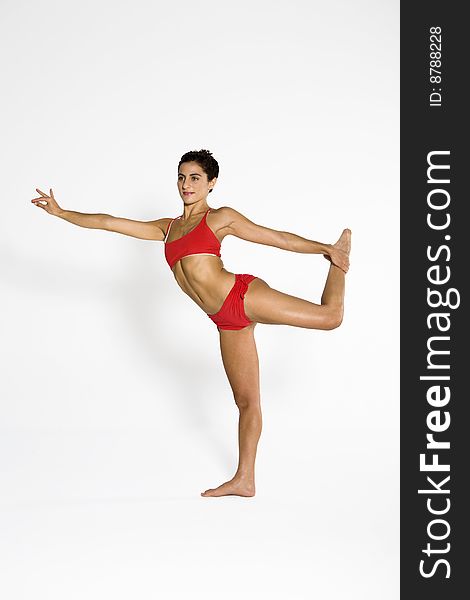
(234, 487)
(343, 243)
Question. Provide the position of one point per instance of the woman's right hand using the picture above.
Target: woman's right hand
(50, 205)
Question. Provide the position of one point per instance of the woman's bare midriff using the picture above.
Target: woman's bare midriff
(203, 278)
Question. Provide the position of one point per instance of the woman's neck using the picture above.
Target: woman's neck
(193, 210)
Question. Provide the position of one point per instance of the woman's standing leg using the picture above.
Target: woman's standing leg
(240, 359)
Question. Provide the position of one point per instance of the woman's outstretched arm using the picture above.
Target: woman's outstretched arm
(241, 227)
(145, 230)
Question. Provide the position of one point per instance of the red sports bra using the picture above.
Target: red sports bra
(200, 240)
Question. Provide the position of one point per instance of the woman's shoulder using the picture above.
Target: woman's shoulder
(223, 216)
(225, 212)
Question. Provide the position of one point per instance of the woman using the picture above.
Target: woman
(234, 302)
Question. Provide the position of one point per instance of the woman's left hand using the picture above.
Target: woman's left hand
(338, 257)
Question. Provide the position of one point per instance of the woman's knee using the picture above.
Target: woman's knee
(245, 400)
(333, 318)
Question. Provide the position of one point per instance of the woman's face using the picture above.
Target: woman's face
(192, 182)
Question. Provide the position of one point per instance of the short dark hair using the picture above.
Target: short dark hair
(205, 160)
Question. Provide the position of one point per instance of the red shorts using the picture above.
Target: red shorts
(232, 313)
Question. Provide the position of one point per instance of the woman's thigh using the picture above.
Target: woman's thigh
(263, 304)
(240, 360)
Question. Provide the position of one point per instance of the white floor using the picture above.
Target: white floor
(110, 514)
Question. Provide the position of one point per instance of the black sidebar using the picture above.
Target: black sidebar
(434, 259)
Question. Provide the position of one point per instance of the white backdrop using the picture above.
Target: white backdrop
(115, 410)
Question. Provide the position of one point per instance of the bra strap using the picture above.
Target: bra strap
(169, 227)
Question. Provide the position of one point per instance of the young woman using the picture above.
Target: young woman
(234, 302)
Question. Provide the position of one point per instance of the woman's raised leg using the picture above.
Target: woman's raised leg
(240, 359)
(264, 304)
